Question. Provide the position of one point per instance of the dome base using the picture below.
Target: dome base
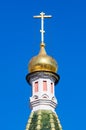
(39, 74)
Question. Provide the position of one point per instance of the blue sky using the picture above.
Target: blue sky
(65, 40)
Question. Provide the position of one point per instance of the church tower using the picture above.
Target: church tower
(43, 77)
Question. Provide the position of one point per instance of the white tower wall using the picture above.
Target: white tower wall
(43, 96)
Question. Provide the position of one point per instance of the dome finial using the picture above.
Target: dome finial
(42, 44)
(42, 16)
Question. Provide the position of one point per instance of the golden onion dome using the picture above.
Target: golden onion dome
(42, 62)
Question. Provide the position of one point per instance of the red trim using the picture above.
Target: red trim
(44, 85)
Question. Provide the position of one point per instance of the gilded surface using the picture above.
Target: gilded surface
(42, 62)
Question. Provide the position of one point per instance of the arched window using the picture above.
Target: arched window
(36, 87)
(53, 98)
(35, 97)
(44, 85)
(45, 96)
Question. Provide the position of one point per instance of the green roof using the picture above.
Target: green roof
(43, 120)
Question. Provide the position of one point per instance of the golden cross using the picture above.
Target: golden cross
(42, 16)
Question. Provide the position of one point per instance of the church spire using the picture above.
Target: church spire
(43, 77)
(42, 62)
